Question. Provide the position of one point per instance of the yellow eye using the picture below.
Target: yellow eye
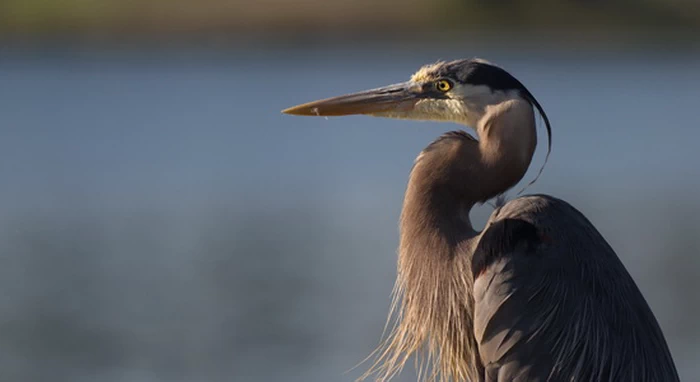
(443, 85)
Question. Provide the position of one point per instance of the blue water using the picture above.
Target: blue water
(161, 220)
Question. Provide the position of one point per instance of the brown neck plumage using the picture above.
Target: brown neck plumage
(433, 306)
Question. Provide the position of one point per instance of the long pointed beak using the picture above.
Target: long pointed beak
(399, 97)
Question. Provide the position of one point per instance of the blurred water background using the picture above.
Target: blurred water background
(160, 220)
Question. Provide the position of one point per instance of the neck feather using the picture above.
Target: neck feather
(507, 141)
(432, 306)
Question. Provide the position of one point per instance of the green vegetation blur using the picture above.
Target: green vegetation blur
(238, 20)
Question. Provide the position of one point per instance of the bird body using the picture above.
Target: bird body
(538, 295)
(553, 302)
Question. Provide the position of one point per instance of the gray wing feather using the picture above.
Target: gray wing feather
(559, 305)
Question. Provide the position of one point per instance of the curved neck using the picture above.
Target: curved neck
(507, 140)
(456, 172)
(434, 280)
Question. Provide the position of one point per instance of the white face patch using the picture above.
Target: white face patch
(466, 105)
(475, 99)
(481, 96)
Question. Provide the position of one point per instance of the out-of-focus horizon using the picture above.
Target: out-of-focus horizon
(160, 220)
(317, 21)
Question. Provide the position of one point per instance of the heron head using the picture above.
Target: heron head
(458, 91)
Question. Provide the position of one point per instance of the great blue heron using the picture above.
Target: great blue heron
(538, 295)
